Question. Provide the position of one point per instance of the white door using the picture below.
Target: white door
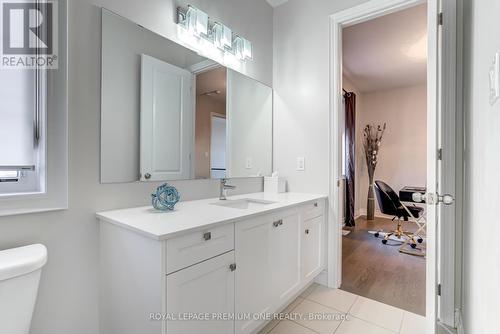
(253, 276)
(285, 257)
(167, 121)
(312, 236)
(218, 147)
(441, 164)
(207, 287)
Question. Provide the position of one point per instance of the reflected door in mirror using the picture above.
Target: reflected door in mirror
(167, 122)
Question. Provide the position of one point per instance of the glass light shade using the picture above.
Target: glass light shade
(242, 48)
(196, 21)
(222, 36)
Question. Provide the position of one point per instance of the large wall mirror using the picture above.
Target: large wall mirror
(169, 114)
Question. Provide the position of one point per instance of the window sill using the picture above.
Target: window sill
(24, 203)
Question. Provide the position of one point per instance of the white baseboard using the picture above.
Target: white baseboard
(378, 214)
(322, 278)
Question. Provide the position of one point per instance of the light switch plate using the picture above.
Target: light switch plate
(495, 79)
(301, 163)
(249, 163)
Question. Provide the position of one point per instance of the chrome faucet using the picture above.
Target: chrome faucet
(223, 189)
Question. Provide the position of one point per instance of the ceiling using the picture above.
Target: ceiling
(387, 52)
(276, 3)
(213, 80)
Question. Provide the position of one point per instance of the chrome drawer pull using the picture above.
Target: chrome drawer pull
(207, 236)
(278, 223)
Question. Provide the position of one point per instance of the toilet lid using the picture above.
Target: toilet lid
(22, 260)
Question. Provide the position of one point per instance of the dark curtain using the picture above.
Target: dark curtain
(350, 141)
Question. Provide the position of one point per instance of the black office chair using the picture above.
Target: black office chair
(390, 204)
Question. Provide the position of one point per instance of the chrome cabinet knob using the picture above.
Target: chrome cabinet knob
(207, 236)
(278, 223)
(147, 176)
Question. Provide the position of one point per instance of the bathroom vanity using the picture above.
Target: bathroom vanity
(223, 264)
(170, 113)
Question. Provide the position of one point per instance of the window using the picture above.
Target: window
(22, 134)
(34, 123)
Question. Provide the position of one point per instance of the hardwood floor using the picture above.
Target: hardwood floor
(380, 272)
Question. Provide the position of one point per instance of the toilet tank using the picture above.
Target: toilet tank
(20, 270)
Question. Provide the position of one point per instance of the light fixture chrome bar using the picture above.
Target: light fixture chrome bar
(181, 15)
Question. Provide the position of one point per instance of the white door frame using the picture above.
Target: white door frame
(364, 12)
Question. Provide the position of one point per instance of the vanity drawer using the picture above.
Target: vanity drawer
(314, 209)
(186, 250)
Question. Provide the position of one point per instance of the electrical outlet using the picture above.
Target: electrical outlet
(249, 163)
(301, 163)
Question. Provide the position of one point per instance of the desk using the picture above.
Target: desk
(405, 194)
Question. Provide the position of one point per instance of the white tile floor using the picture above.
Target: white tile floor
(356, 315)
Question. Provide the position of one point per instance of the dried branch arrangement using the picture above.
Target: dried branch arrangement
(372, 139)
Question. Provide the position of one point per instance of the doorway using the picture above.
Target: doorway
(210, 127)
(218, 146)
(384, 63)
(440, 269)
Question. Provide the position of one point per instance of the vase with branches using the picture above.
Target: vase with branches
(372, 139)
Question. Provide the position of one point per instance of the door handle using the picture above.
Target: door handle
(446, 199)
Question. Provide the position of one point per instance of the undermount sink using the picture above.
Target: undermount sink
(244, 203)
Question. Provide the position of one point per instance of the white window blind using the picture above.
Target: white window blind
(18, 118)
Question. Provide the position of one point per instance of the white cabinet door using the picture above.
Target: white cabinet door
(285, 258)
(207, 287)
(253, 274)
(312, 236)
(167, 121)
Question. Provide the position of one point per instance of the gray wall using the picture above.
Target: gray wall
(68, 296)
(301, 84)
(482, 162)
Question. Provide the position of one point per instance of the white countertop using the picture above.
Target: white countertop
(193, 215)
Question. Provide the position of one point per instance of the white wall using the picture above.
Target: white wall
(301, 83)
(482, 162)
(402, 159)
(68, 296)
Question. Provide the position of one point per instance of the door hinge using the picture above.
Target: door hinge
(440, 19)
(439, 289)
(440, 154)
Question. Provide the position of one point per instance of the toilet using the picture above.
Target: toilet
(20, 270)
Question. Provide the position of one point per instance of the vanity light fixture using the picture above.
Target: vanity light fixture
(222, 36)
(209, 37)
(194, 20)
(242, 48)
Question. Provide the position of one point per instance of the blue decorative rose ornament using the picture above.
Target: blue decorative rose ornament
(165, 197)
